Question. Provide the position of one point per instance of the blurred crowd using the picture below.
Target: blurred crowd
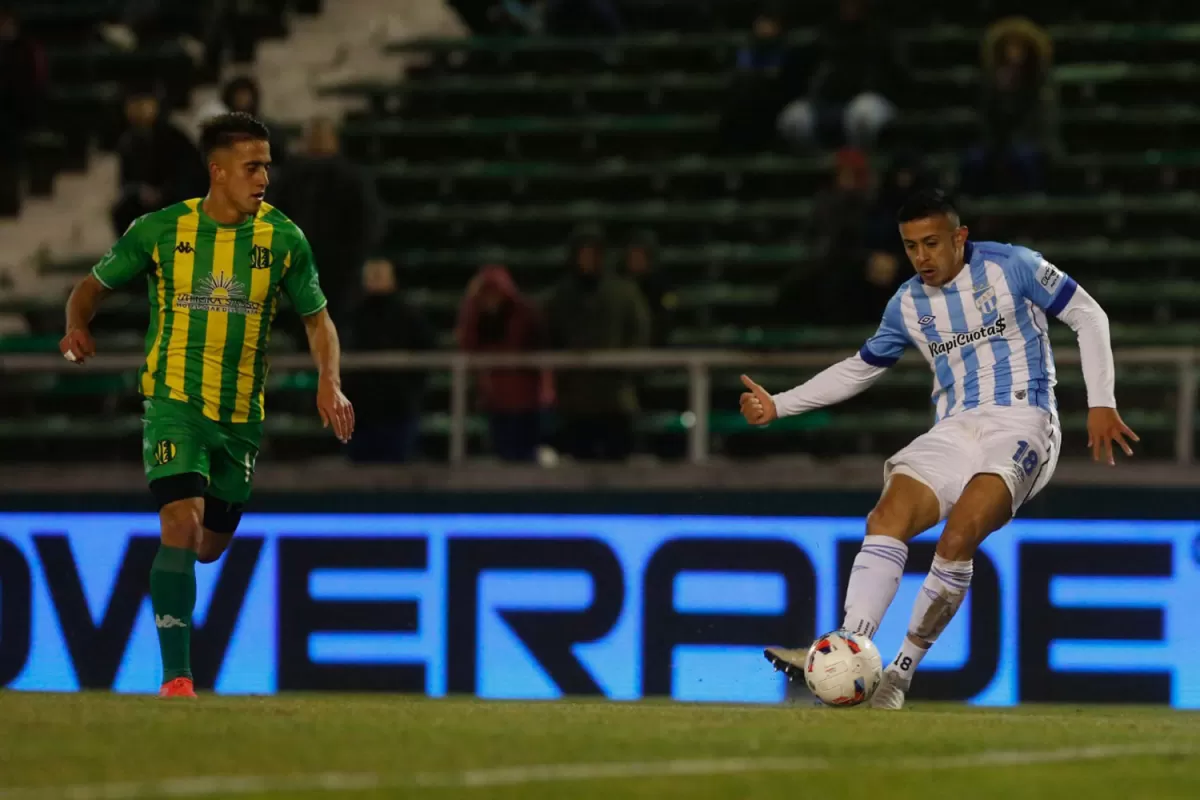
(839, 94)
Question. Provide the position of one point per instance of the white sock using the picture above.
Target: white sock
(941, 595)
(874, 579)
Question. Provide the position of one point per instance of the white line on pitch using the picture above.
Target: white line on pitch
(230, 786)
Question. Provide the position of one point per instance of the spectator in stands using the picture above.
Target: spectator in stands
(337, 207)
(641, 255)
(905, 176)
(593, 309)
(387, 403)
(23, 86)
(159, 163)
(1018, 111)
(242, 93)
(767, 69)
(857, 84)
(848, 282)
(496, 318)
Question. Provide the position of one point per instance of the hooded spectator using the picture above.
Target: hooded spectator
(640, 266)
(336, 206)
(1018, 111)
(496, 318)
(592, 309)
(387, 403)
(159, 163)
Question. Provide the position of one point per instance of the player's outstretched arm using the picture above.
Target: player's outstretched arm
(78, 345)
(335, 409)
(833, 385)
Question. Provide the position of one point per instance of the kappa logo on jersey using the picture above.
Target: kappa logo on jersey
(168, 621)
(261, 257)
(970, 337)
(184, 247)
(985, 299)
(165, 452)
(220, 293)
(926, 320)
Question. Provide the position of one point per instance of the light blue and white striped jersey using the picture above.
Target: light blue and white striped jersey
(984, 333)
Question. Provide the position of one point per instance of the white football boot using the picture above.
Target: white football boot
(891, 691)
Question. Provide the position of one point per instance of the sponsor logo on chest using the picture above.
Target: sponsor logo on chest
(957, 340)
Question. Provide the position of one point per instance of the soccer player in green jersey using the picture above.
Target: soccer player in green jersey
(215, 268)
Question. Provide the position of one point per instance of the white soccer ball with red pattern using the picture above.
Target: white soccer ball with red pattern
(843, 668)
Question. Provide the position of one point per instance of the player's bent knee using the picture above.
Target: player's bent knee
(886, 520)
(181, 523)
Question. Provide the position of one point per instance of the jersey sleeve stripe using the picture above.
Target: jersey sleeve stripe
(1065, 293)
(875, 360)
(101, 281)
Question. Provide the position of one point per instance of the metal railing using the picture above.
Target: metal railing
(698, 364)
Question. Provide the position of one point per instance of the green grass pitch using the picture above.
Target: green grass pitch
(375, 746)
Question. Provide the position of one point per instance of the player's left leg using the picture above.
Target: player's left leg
(1019, 453)
(232, 480)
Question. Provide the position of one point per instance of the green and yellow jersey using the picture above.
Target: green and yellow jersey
(214, 290)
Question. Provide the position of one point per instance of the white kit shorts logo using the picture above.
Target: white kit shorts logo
(997, 328)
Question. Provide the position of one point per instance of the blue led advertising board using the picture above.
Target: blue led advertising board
(536, 606)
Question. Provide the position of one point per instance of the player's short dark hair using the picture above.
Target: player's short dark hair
(225, 130)
(928, 203)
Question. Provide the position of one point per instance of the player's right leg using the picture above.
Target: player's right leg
(175, 451)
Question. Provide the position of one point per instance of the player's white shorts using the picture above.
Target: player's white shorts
(1018, 443)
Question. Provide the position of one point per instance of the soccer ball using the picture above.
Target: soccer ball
(843, 668)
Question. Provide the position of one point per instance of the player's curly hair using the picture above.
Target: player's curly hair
(928, 203)
(226, 130)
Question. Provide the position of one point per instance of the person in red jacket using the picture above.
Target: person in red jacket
(496, 318)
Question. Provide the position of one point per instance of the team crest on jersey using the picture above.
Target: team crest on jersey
(261, 257)
(164, 452)
(985, 299)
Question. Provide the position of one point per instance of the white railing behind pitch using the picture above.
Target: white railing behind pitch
(698, 364)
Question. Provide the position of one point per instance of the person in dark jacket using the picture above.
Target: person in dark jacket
(336, 206)
(159, 163)
(387, 403)
(593, 309)
(1018, 111)
(640, 260)
(496, 318)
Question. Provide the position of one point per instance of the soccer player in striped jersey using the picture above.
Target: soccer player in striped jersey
(215, 269)
(977, 312)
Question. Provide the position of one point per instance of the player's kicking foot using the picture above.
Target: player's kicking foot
(179, 687)
(788, 661)
(891, 691)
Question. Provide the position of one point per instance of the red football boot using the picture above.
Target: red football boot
(179, 687)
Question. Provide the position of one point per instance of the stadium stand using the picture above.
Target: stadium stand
(495, 148)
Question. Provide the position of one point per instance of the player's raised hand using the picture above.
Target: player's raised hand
(336, 411)
(757, 406)
(1105, 426)
(78, 345)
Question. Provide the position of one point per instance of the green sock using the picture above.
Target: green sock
(173, 596)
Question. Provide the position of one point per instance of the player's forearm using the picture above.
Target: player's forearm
(83, 302)
(324, 345)
(1085, 316)
(837, 383)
